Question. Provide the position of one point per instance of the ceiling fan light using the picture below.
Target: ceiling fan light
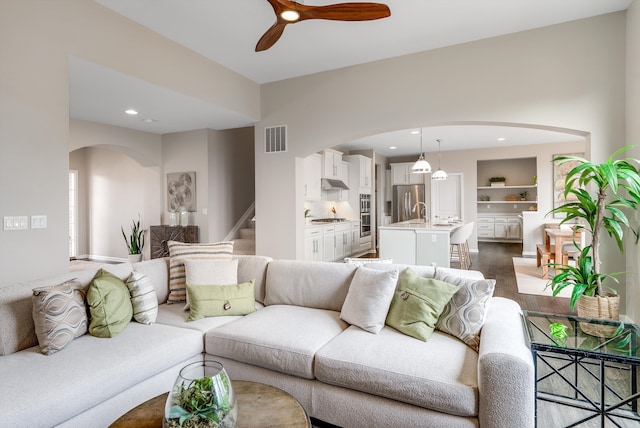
(440, 174)
(290, 15)
(421, 166)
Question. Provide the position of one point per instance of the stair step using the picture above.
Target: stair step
(250, 224)
(247, 233)
(244, 246)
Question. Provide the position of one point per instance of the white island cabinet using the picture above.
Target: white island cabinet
(417, 243)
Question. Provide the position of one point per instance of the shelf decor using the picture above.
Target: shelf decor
(498, 181)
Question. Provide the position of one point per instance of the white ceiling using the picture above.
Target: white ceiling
(227, 32)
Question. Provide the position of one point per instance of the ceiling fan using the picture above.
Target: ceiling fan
(290, 12)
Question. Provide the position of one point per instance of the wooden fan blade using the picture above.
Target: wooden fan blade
(346, 12)
(271, 36)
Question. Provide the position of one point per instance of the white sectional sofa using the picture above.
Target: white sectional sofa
(295, 341)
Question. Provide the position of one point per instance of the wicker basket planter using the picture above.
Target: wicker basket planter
(599, 307)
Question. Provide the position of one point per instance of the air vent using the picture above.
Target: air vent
(275, 139)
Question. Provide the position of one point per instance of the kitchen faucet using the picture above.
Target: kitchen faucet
(423, 210)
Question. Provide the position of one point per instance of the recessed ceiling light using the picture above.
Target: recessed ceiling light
(392, 148)
(148, 120)
(415, 132)
(131, 111)
(502, 139)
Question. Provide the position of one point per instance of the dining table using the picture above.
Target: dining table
(560, 237)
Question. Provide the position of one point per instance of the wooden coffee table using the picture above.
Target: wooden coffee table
(259, 405)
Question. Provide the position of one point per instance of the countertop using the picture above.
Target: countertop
(424, 227)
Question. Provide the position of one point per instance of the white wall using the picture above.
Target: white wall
(118, 190)
(36, 40)
(185, 152)
(231, 179)
(633, 137)
(568, 76)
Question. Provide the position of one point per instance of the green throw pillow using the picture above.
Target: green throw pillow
(109, 304)
(417, 304)
(219, 300)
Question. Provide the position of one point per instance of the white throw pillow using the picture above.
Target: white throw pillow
(143, 297)
(210, 272)
(369, 297)
(364, 261)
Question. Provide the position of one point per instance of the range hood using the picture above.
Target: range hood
(333, 184)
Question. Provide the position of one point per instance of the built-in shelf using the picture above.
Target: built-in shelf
(524, 186)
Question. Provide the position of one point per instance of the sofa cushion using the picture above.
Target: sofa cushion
(440, 374)
(368, 299)
(96, 369)
(320, 285)
(174, 315)
(362, 261)
(423, 271)
(179, 251)
(109, 304)
(143, 297)
(59, 315)
(220, 300)
(279, 337)
(254, 267)
(464, 315)
(157, 270)
(417, 304)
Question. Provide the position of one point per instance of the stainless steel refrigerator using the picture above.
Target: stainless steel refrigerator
(404, 199)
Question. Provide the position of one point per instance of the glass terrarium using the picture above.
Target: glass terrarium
(202, 396)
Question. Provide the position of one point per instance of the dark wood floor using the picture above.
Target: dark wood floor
(495, 260)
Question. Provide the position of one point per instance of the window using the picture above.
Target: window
(73, 214)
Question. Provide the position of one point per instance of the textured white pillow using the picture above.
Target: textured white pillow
(369, 298)
(464, 315)
(59, 315)
(143, 297)
(364, 261)
(210, 272)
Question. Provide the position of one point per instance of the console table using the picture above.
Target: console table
(161, 234)
(595, 376)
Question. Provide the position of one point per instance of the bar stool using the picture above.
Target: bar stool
(459, 245)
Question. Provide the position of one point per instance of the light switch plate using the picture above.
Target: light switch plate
(38, 222)
(7, 223)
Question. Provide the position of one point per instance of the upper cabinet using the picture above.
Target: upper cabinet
(343, 174)
(359, 172)
(331, 163)
(401, 174)
(312, 177)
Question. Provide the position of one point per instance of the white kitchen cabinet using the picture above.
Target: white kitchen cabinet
(387, 185)
(401, 174)
(359, 173)
(342, 240)
(399, 245)
(312, 177)
(355, 237)
(514, 230)
(484, 227)
(343, 174)
(328, 243)
(330, 163)
(500, 227)
(313, 250)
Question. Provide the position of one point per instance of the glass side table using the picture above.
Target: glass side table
(590, 378)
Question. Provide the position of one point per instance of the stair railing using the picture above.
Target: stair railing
(235, 230)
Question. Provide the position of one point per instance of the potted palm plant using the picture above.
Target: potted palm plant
(135, 241)
(615, 187)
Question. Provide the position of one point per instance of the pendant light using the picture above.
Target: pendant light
(440, 174)
(421, 166)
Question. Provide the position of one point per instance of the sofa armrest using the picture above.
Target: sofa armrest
(505, 369)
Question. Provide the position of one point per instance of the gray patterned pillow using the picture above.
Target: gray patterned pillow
(59, 315)
(465, 313)
(143, 297)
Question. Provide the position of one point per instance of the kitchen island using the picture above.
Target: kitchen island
(415, 242)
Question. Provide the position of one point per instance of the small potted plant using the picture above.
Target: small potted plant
(615, 188)
(497, 181)
(135, 241)
(523, 195)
